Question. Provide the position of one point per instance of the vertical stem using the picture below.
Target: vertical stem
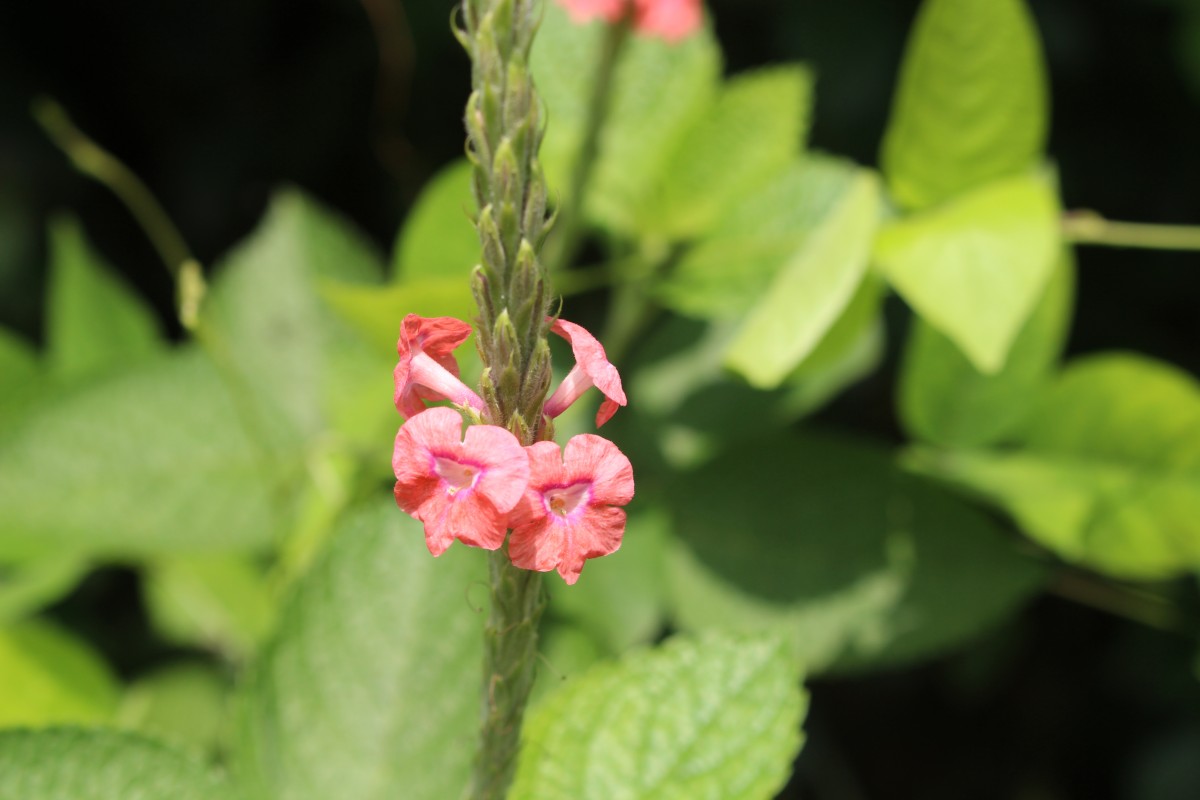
(564, 241)
(510, 656)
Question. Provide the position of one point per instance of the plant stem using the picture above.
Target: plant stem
(96, 162)
(564, 241)
(1088, 227)
(1138, 606)
(510, 645)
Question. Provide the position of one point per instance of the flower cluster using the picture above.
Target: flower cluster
(562, 505)
(671, 20)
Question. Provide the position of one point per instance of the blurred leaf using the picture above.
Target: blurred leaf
(974, 268)
(755, 128)
(94, 321)
(376, 312)
(811, 290)
(620, 601)
(727, 273)
(659, 90)
(944, 400)
(1109, 470)
(50, 677)
(184, 703)
(438, 239)
(705, 717)
(367, 685)
(70, 764)
(21, 377)
(154, 461)
(970, 105)
(217, 602)
(28, 585)
(826, 541)
(567, 652)
(306, 371)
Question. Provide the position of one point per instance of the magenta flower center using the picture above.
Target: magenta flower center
(456, 476)
(564, 501)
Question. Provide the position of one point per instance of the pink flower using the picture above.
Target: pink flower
(569, 511)
(461, 488)
(427, 369)
(585, 10)
(671, 20)
(591, 369)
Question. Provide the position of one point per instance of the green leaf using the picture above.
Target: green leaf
(824, 540)
(707, 717)
(725, 274)
(376, 311)
(621, 601)
(218, 602)
(28, 585)
(1108, 474)
(51, 677)
(154, 461)
(971, 102)
(659, 90)
(810, 292)
(305, 370)
(185, 703)
(371, 682)
(69, 764)
(755, 129)
(975, 268)
(94, 321)
(944, 400)
(438, 239)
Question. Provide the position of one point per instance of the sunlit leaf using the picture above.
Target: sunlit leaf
(707, 717)
(970, 106)
(51, 677)
(975, 268)
(437, 239)
(28, 584)
(946, 401)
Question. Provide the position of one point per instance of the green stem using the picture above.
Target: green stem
(1088, 227)
(96, 162)
(563, 245)
(510, 660)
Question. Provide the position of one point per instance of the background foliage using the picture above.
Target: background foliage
(891, 432)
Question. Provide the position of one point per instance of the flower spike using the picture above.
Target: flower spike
(460, 487)
(591, 369)
(427, 369)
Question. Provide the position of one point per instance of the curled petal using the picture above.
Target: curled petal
(427, 369)
(671, 20)
(592, 368)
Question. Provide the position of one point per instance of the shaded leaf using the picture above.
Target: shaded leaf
(28, 585)
(369, 683)
(712, 717)
(185, 703)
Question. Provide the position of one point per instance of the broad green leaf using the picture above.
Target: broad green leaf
(306, 371)
(810, 292)
(566, 652)
(154, 461)
(975, 268)
(711, 717)
(218, 602)
(659, 90)
(371, 684)
(23, 379)
(438, 239)
(73, 764)
(970, 106)
(51, 677)
(94, 321)
(1108, 474)
(824, 540)
(620, 599)
(944, 400)
(185, 703)
(28, 585)
(376, 311)
(755, 129)
(725, 274)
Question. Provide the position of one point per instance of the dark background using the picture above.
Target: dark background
(216, 102)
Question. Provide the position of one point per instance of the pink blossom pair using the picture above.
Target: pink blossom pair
(562, 505)
(671, 20)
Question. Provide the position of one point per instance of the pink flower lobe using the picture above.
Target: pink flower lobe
(592, 368)
(427, 369)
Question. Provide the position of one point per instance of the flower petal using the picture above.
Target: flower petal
(594, 458)
(506, 466)
(597, 533)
